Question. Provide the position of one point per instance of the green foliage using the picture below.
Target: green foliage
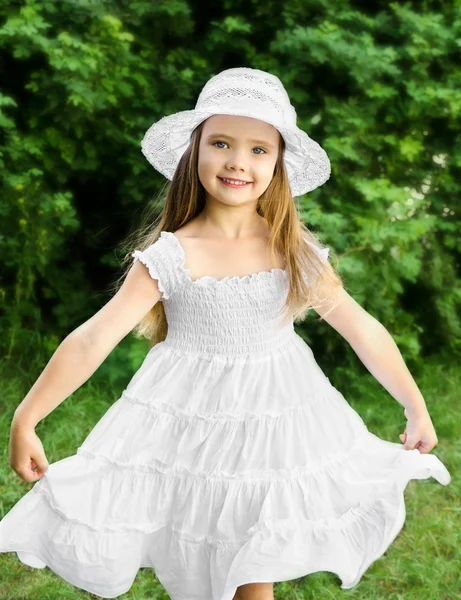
(376, 84)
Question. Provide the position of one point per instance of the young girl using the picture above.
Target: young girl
(230, 461)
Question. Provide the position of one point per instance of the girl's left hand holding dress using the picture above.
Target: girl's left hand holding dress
(419, 432)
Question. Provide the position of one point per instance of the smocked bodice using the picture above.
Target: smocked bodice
(228, 316)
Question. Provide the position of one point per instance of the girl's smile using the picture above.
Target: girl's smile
(230, 182)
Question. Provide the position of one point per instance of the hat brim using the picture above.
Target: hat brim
(164, 143)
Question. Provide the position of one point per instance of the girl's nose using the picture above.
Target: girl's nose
(237, 162)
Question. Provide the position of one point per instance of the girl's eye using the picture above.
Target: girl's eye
(258, 147)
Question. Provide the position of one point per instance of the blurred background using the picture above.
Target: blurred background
(375, 83)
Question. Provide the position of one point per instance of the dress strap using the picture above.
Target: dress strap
(164, 263)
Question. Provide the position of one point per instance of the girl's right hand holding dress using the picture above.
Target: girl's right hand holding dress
(25, 452)
(75, 360)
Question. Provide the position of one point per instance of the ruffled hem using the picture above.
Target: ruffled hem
(260, 276)
(177, 260)
(162, 262)
(285, 549)
(322, 254)
(172, 267)
(293, 548)
(153, 272)
(105, 562)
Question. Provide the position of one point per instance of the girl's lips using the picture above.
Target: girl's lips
(233, 185)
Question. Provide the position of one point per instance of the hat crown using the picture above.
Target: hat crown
(248, 90)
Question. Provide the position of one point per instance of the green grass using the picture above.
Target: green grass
(423, 561)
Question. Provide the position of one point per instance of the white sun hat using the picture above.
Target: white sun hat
(245, 92)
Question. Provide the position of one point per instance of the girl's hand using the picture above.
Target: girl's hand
(25, 453)
(419, 432)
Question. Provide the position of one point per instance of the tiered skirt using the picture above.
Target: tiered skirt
(216, 472)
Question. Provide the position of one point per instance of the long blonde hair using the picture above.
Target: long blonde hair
(185, 199)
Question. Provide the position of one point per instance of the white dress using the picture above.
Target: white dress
(230, 458)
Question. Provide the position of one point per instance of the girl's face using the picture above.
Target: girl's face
(241, 148)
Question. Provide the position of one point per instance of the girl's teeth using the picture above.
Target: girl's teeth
(234, 182)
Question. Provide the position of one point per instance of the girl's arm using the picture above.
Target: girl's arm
(376, 348)
(82, 351)
(380, 354)
(378, 351)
